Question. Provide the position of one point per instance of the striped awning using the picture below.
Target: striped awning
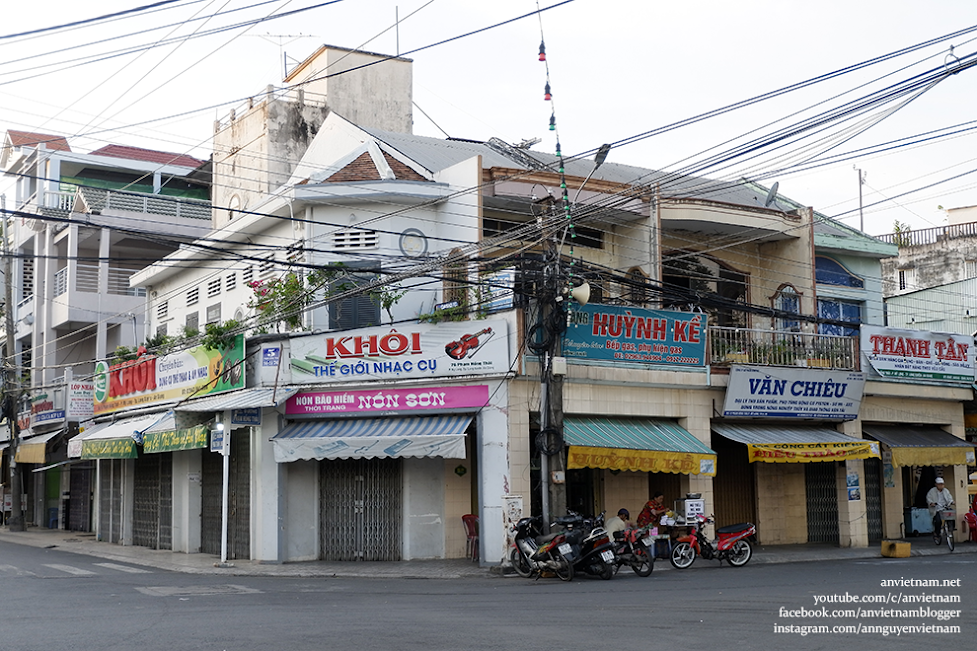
(641, 444)
(113, 440)
(922, 445)
(371, 438)
(795, 443)
(246, 399)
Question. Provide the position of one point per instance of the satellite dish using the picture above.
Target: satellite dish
(772, 194)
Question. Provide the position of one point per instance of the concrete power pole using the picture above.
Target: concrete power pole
(11, 387)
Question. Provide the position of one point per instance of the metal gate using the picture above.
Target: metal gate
(152, 518)
(360, 510)
(80, 496)
(821, 486)
(110, 500)
(873, 499)
(238, 496)
(734, 486)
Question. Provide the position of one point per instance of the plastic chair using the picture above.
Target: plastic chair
(471, 536)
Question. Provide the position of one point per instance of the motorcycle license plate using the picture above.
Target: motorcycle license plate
(648, 542)
(607, 555)
(565, 549)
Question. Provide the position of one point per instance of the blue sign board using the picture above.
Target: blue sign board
(636, 335)
(246, 416)
(271, 356)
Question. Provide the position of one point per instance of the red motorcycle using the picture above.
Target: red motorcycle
(731, 545)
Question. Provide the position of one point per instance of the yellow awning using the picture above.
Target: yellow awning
(34, 450)
(922, 445)
(689, 463)
(811, 452)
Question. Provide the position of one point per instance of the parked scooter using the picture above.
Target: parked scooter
(633, 547)
(731, 544)
(532, 554)
(592, 549)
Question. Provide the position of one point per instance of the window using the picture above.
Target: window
(214, 313)
(357, 311)
(837, 310)
(907, 279)
(636, 289)
(192, 322)
(193, 296)
(787, 300)
(213, 288)
(455, 276)
(830, 272)
(266, 267)
(687, 275)
(233, 206)
(354, 238)
(161, 330)
(970, 268)
(162, 310)
(230, 282)
(247, 275)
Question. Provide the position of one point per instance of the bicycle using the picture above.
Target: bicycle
(945, 529)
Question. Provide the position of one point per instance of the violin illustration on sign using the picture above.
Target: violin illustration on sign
(468, 343)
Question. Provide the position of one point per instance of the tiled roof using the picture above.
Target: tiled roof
(148, 155)
(363, 169)
(28, 139)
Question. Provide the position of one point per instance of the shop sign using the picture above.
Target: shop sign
(109, 449)
(775, 392)
(250, 416)
(918, 354)
(175, 439)
(497, 289)
(811, 452)
(149, 380)
(417, 399)
(79, 400)
(411, 351)
(44, 409)
(638, 335)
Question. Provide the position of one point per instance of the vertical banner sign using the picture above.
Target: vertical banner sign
(918, 354)
(631, 334)
(79, 400)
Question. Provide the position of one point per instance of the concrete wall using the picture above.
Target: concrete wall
(187, 500)
(933, 264)
(781, 503)
(300, 535)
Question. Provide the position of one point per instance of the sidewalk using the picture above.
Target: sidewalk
(85, 543)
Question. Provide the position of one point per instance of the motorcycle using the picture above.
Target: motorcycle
(531, 554)
(632, 547)
(731, 544)
(592, 549)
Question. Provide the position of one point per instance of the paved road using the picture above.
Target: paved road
(55, 600)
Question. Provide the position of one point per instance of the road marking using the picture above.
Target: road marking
(196, 591)
(15, 570)
(77, 571)
(124, 568)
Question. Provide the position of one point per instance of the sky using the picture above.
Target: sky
(617, 69)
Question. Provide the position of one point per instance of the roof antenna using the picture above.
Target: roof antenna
(772, 194)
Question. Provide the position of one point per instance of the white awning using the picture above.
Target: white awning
(119, 429)
(248, 398)
(372, 438)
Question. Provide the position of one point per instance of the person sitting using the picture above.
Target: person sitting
(653, 510)
(619, 522)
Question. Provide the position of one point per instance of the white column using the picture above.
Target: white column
(493, 468)
(267, 493)
(101, 326)
(187, 466)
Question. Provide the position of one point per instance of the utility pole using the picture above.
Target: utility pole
(11, 387)
(861, 182)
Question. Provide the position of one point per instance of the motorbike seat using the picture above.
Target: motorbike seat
(734, 528)
(618, 535)
(545, 539)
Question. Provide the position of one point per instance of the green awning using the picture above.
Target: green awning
(642, 444)
(171, 440)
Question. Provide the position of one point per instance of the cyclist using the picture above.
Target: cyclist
(939, 499)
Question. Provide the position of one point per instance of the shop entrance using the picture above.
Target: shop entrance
(152, 518)
(238, 499)
(821, 488)
(110, 500)
(360, 509)
(80, 483)
(873, 499)
(734, 486)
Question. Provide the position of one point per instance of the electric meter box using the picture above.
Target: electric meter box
(689, 508)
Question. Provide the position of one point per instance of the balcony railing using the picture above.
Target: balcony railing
(782, 348)
(931, 235)
(86, 280)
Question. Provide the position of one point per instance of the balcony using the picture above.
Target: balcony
(86, 280)
(782, 348)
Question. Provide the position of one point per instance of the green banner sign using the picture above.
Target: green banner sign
(109, 449)
(175, 439)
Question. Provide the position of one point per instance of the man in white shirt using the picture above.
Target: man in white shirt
(620, 522)
(939, 499)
